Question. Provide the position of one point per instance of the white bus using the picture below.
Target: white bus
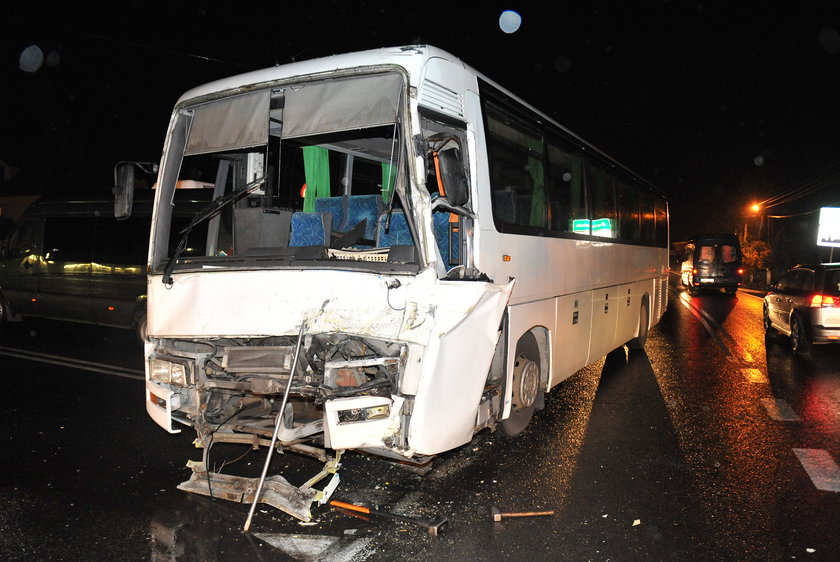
(398, 253)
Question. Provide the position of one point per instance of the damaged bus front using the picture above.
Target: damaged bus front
(331, 275)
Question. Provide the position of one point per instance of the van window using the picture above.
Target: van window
(707, 253)
(24, 240)
(728, 253)
(68, 239)
(123, 242)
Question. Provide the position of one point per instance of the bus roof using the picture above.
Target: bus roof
(410, 57)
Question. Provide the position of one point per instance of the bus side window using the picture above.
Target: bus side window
(516, 151)
(628, 209)
(603, 201)
(567, 200)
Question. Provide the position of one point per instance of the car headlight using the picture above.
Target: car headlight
(168, 372)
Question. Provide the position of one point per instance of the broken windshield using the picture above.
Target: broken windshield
(329, 157)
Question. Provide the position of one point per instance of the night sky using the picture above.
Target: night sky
(716, 103)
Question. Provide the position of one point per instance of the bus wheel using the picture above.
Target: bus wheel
(639, 341)
(526, 386)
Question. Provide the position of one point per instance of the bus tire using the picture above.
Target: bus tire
(526, 386)
(644, 319)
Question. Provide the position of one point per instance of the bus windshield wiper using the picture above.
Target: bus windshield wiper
(212, 209)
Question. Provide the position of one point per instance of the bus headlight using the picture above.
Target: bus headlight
(168, 372)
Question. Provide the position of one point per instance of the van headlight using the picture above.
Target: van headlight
(169, 372)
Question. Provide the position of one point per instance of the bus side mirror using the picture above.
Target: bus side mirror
(453, 177)
(123, 189)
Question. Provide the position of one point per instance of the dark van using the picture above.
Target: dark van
(70, 259)
(712, 261)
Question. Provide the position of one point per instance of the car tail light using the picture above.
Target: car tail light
(740, 272)
(694, 271)
(823, 301)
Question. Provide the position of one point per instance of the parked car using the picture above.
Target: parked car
(805, 305)
(712, 261)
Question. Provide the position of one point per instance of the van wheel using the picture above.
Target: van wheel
(3, 312)
(639, 341)
(798, 339)
(526, 386)
(732, 291)
(140, 326)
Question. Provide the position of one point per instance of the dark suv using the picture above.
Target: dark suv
(805, 305)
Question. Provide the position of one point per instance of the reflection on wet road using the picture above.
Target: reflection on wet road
(714, 443)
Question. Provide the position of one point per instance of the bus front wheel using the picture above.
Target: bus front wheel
(526, 386)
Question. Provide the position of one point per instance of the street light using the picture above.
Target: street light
(755, 209)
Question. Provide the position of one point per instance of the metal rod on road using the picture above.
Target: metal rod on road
(276, 427)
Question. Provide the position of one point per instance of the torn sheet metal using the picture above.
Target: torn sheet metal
(276, 492)
(454, 378)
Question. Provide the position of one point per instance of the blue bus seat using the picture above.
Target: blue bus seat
(363, 207)
(311, 229)
(398, 233)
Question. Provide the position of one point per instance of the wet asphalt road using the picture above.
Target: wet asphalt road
(694, 449)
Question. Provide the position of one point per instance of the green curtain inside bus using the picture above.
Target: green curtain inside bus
(389, 174)
(316, 166)
(537, 173)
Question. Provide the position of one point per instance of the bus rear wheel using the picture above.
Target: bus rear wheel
(526, 386)
(639, 341)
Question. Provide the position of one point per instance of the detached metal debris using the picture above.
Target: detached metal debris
(277, 491)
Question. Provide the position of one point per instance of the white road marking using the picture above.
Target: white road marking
(779, 410)
(73, 363)
(824, 472)
(702, 317)
(321, 548)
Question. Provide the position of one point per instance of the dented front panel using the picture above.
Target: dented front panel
(398, 367)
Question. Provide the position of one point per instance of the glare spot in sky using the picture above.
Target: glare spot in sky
(510, 21)
(31, 59)
(562, 64)
(53, 59)
(830, 40)
(759, 161)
